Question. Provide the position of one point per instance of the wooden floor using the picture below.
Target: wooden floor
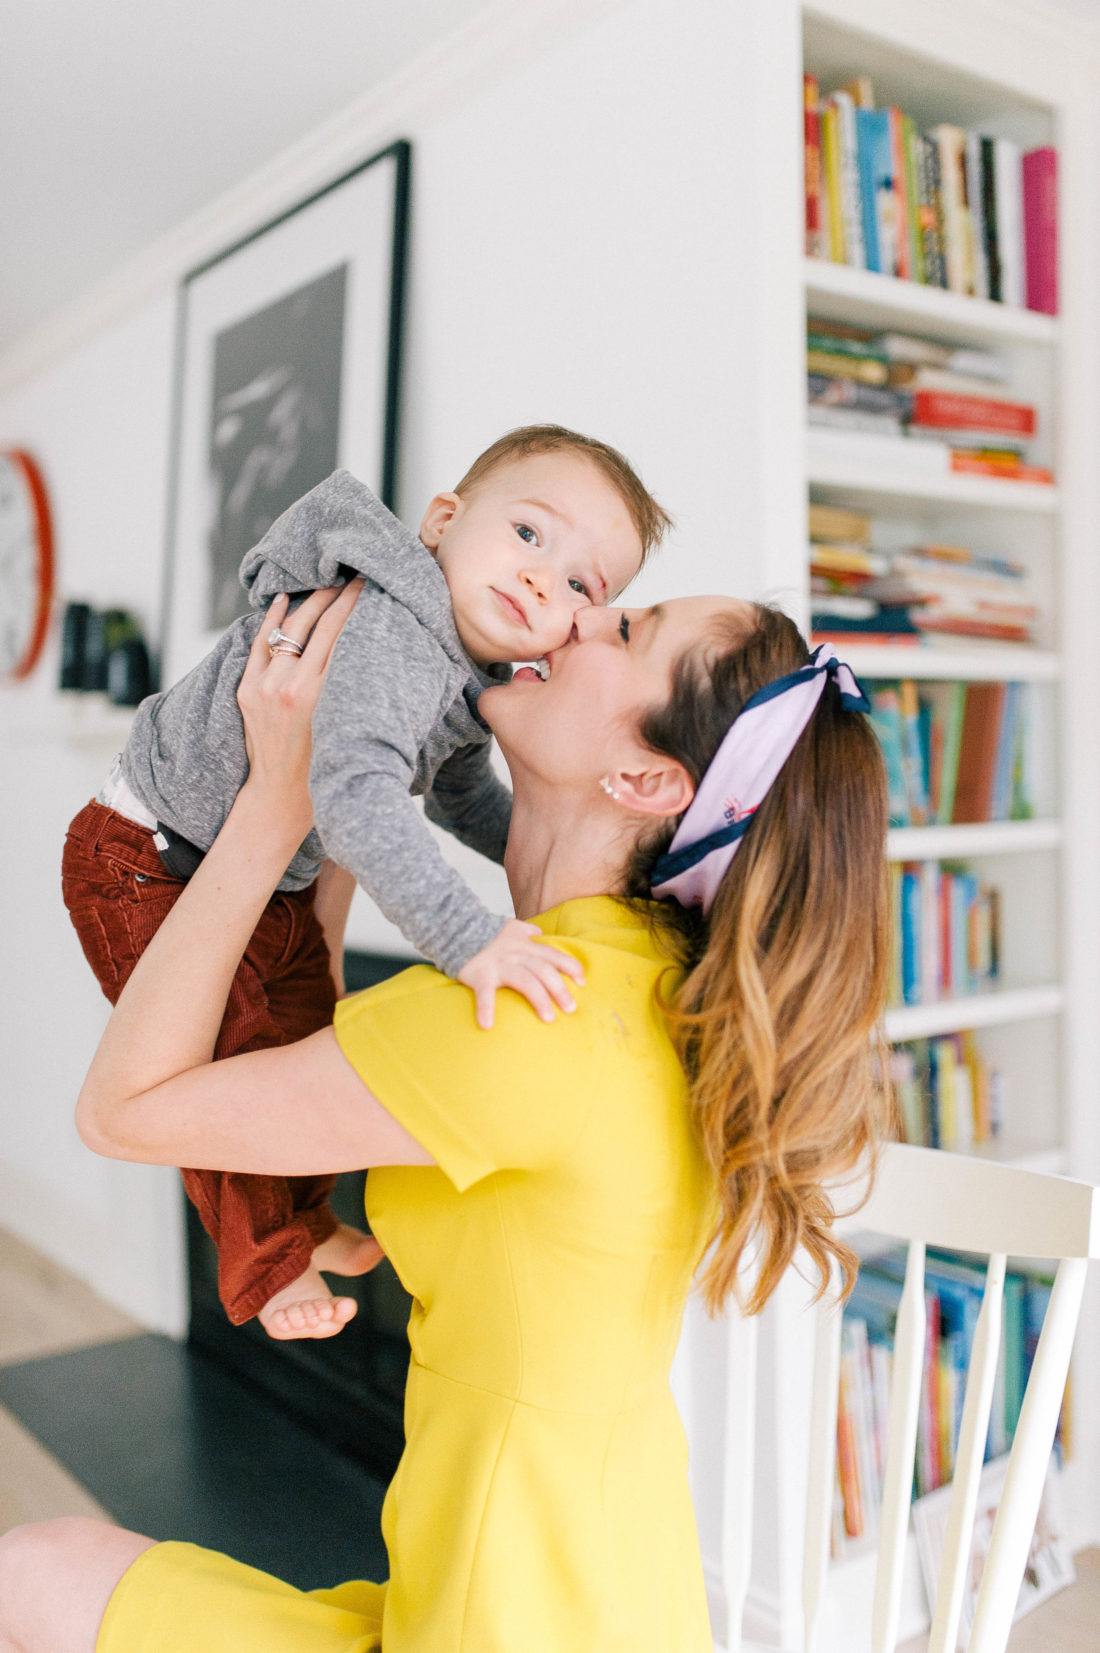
(44, 1311)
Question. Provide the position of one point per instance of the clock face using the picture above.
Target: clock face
(26, 564)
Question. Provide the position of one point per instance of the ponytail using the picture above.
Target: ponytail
(776, 1020)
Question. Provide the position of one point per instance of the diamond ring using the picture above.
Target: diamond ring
(279, 643)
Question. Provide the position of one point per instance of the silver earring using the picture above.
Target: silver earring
(608, 788)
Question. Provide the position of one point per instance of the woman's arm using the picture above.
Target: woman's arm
(153, 1092)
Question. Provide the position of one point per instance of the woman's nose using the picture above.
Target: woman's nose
(593, 622)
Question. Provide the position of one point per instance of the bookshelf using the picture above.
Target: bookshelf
(1019, 75)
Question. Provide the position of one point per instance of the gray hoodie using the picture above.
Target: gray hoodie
(397, 718)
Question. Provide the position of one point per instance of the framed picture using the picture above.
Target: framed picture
(1049, 1564)
(287, 367)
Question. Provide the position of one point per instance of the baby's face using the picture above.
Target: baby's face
(525, 549)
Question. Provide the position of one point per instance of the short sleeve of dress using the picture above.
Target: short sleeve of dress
(513, 1097)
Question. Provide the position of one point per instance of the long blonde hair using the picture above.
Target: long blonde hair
(776, 1020)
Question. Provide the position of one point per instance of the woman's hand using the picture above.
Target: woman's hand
(277, 696)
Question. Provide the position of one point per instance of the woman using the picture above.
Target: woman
(545, 1192)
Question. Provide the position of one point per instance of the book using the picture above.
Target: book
(951, 145)
(1010, 224)
(848, 158)
(837, 558)
(998, 446)
(820, 337)
(828, 392)
(930, 215)
(837, 364)
(978, 751)
(896, 205)
(990, 217)
(812, 140)
(853, 419)
(923, 376)
(976, 464)
(987, 413)
(1039, 170)
(876, 187)
(833, 227)
(834, 522)
(975, 199)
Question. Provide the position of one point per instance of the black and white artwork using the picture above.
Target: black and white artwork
(288, 368)
(274, 423)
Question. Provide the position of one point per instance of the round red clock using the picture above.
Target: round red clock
(26, 563)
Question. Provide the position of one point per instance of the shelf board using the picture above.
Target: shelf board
(965, 665)
(933, 843)
(871, 300)
(838, 478)
(996, 1005)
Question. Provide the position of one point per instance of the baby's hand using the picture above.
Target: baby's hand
(515, 959)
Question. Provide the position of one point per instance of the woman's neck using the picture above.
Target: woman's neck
(560, 849)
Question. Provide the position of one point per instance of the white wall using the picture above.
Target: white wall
(575, 256)
(98, 424)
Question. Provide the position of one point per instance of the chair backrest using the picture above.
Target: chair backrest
(928, 1197)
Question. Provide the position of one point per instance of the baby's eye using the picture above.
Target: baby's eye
(526, 533)
(579, 585)
(624, 628)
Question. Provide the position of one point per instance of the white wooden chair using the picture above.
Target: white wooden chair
(927, 1197)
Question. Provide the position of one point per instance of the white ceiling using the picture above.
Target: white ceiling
(120, 118)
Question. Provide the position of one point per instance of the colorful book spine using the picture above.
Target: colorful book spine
(948, 208)
(948, 411)
(815, 244)
(1040, 197)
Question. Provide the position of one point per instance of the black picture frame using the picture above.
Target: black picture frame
(288, 362)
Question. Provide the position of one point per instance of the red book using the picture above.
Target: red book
(981, 733)
(815, 247)
(949, 411)
(1040, 175)
(974, 465)
(866, 639)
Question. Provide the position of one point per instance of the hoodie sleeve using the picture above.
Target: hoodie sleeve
(468, 799)
(385, 690)
(338, 525)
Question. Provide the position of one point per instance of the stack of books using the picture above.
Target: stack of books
(954, 1285)
(955, 752)
(946, 932)
(931, 407)
(949, 1095)
(949, 208)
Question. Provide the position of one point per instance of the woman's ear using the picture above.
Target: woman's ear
(442, 510)
(662, 788)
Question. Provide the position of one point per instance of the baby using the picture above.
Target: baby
(544, 522)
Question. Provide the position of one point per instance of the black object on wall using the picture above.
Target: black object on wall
(348, 1390)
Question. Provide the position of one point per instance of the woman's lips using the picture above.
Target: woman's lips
(513, 609)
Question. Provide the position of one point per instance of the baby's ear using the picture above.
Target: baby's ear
(442, 510)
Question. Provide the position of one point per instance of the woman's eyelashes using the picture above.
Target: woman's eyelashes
(624, 627)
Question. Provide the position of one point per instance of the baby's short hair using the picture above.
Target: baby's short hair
(649, 518)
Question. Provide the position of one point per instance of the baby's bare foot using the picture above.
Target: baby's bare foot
(348, 1251)
(306, 1308)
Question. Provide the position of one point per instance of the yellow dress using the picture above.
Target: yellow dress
(541, 1504)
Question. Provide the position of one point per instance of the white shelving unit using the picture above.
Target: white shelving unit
(1014, 72)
